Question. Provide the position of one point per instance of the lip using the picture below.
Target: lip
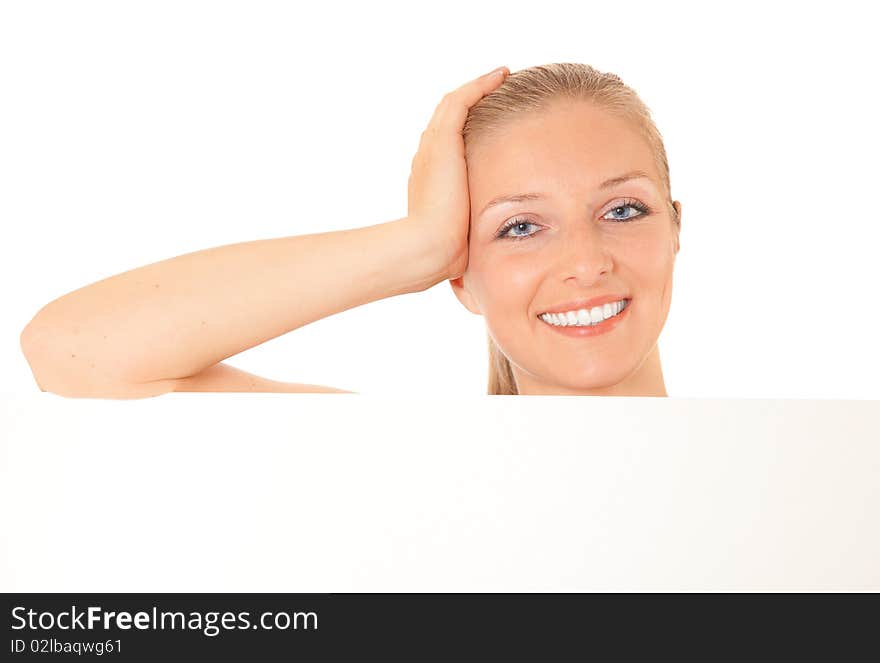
(595, 330)
(576, 304)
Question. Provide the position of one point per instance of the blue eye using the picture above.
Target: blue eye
(634, 204)
(515, 223)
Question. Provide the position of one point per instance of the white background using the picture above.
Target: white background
(131, 132)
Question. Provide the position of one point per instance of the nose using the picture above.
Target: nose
(583, 255)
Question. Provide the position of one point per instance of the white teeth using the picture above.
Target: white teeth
(584, 317)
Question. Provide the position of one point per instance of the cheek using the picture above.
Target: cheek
(504, 283)
(650, 263)
(650, 260)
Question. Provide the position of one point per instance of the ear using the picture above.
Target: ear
(677, 205)
(464, 295)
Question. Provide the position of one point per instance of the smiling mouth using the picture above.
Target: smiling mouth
(586, 317)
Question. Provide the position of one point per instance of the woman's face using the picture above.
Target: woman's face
(576, 244)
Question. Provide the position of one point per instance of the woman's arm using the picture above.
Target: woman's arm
(178, 317)
(158, 328)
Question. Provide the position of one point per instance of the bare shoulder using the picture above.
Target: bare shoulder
(223, 377)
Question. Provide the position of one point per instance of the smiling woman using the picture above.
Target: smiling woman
(542, 196)
(573, 242)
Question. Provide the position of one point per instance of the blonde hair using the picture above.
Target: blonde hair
(534, 89)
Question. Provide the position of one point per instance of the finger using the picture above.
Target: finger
(452, 110)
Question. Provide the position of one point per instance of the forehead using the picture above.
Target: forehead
(571, 146)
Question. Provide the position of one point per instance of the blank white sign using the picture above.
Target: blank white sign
(351, 493)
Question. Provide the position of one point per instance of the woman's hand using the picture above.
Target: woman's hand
(439, 199)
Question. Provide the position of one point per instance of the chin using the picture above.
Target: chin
(584, 385)
(592, 377)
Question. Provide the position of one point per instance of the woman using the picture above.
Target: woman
(543, 196)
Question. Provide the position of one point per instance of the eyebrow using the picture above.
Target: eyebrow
(520, 197)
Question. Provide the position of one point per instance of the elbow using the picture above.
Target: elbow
(33, 338)
(29, 339)
(31, 342)
(53, 372)
(40, 347)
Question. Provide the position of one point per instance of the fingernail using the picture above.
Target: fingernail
(496, 72)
